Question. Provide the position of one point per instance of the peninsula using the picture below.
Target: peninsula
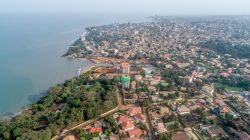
(175, 78)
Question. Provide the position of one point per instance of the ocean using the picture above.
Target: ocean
(31, 46)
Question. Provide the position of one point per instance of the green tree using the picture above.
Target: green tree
(55, 90)
(17, 132)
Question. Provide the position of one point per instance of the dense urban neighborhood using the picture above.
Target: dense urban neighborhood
(175, 78)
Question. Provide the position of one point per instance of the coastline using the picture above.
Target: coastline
(10, 115)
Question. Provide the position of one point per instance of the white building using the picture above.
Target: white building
(125, 68)
(208, 89)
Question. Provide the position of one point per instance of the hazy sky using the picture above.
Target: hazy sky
(161, 7)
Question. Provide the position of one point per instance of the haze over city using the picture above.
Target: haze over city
(162, 7)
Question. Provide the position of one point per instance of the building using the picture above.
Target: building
(134, 110)
(160, 128)
(126, 126)
(180, 135)
(138, 77)
(216, 132)
(183, 110)
(125, 68)
(69, 137)
(135, 133)
(140, 118)
(125, 82)
(133, 85)
(208, 89)
(243, 136)
(95, 130)
(246, 95)
(125, 123)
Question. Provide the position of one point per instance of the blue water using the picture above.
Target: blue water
(30, 53)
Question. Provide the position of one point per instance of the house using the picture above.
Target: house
(164, 110)
(169, 66)
(180, 135)
(223, 107)
(243, 136)
(183, 110)
(154, 82)
(156, 98)
(126, 126)
(148, 70)
(133, 85)
(69, 137)
(95, 130)
(208, 89)
(216, 132)
(138, 77)
(121, 119)
(151, 88)
(134, 110)
(182, 65)
(140, 118)
(246, 95)
(160, 128)
(194, 107)
(109, 75)
(136, 132)
(190, 134)
(154, 115)
(96, 75)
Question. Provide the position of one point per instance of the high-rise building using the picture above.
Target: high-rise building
(125, 82)
(125, 68)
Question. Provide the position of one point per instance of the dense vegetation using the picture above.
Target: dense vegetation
(224, 47)
(76, 47)
(66, 105)
(230, 83)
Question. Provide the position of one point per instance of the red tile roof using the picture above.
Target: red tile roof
(140, 117)
(127, 125)
(124, 64)
(134, 110)
(95, 130)
(122, 119)
(137, 132)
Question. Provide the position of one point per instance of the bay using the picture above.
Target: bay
(31, 46)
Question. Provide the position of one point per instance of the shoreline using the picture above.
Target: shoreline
(10, 115)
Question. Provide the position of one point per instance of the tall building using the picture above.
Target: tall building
(125, 82)
(125, 68)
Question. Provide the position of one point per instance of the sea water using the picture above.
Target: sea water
(31, 46)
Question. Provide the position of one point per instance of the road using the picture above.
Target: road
(120, 106)
(149, 124)
(86, 123)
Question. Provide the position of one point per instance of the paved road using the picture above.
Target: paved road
(120, 106)
(86, 123)
(149, 124)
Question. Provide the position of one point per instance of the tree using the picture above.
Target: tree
(229, 117)
(108, 104)
(55, 90)
(45, 134)
(6, 135)
(165, 136)
(54, 129)
(17, 132)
